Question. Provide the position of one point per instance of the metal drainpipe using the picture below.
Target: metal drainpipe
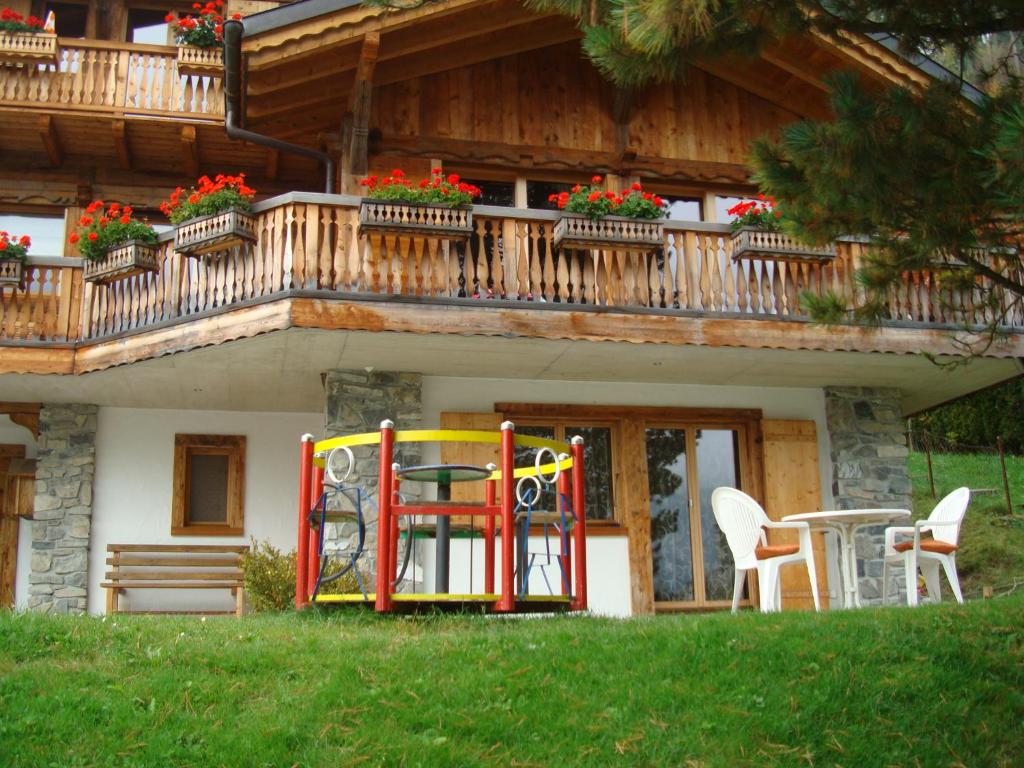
(232, 105)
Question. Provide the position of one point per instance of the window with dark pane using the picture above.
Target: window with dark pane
(70, 18)
(494, 192)
(538, 192)
(597, 461)
(208, 488)
(525, 457)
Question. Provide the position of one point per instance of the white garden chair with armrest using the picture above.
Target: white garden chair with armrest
(744, 523)
(928, 554)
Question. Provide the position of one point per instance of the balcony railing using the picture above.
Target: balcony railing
(309, 243)
(122, 79)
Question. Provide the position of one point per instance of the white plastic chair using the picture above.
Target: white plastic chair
(928, 554)
(744, 523)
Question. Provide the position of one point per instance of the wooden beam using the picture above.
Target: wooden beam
(23, 414)
(190, 149)
(121, 146)
(51, 142)
(799, 67)
(557, 158)
(273, 162)
(623, 105)
(355, 162)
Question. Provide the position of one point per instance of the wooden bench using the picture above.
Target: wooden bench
(174, 566)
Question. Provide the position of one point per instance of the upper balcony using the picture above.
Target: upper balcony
(100, 78)
(311, 268)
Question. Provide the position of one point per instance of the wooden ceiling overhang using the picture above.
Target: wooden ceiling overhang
(301, 61)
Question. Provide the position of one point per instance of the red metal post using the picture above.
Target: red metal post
(490, 498)
(384, 487)
(579, 529)
(506, 603)
(314, 534)
(305, 489)
(565, 549)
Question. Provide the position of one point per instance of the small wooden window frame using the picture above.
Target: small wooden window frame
(185, 446)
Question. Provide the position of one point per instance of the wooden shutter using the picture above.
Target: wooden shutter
(792, 486)
(477, 454)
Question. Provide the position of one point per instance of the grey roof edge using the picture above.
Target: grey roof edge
(293, 13)
(303, 10)
(930, 67)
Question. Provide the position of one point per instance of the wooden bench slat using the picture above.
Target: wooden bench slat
(191, 548)
(229, 575)
(170, 585)
(211, 562)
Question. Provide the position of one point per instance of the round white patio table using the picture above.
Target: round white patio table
(844, 523)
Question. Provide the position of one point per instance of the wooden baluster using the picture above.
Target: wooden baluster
(452, 248)
(372, 259)
(548, 277)
(729, 275)
(402, 264)
(522, 263)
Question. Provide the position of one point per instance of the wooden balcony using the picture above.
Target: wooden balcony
(311, 268)
(114, 79)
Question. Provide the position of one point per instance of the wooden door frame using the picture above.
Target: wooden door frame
(629, 466)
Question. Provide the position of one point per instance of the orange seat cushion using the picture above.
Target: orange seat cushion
(928, 545)
(764, 552)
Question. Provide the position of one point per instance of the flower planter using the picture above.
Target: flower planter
(415, 219)
(617, 232)
(217, 232)
(121, 261)
(750, 242)
(11, 272)
(205, 62)
(28, 48)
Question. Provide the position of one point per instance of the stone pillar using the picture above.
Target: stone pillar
(867, 433)
(63, 509)
(358, 401)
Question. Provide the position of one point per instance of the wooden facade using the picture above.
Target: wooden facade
(492, 91)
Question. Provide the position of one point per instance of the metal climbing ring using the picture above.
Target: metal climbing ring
(329, 464)
(519, 488)
(537, 466)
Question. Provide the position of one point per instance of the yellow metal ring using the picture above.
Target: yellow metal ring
(452, 436)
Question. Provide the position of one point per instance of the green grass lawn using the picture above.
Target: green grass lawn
(934, 686)
(992, 540)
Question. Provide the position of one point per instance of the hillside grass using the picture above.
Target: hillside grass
(941, 685)
(992, 539)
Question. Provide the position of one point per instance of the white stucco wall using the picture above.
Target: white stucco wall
(134, 467)
(15, 434)
(134, 472)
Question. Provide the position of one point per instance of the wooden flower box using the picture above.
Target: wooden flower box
(11, 272)
(216, 232)
(751, 242)
(615, 232)
(28, 48)
(415, 219)
(121, 261)
(205, 62)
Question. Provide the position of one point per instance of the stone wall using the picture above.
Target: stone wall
(358, 401)
(867, 433)
(62, 518)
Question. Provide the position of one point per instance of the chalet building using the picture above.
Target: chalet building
(167, 407)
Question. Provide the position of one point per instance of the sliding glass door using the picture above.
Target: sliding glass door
(692, 564)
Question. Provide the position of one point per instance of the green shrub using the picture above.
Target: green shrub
(270, 578)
